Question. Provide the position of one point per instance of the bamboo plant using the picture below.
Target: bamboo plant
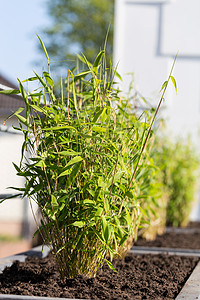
(85, 153)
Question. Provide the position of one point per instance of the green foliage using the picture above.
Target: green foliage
(79, 26)
(153, 197)
(179, 166)
(84, 147)
(87, 166)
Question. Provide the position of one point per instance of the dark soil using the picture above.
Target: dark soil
(182, 238)
(137, 277)
(194, 224)
(173, 240)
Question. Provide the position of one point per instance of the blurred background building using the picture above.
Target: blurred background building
(14, 213)
(148, 34)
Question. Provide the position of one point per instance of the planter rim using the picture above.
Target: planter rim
(22, 297)
(169, 251)
(191, 289)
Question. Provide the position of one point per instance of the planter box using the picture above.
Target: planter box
(8, 261)
(37, 251)
(191, 289)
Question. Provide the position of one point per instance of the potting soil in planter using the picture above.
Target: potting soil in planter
(137, 277)
(182, 238)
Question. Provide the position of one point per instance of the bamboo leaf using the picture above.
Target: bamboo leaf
(106, 205)
(174, 82)
(123, 240)
(10, 197)
(61, 91)
(16, 168)
(42, 81)
(74, 96)
(84, 60)
(23, 92)
(101, 238)
(59, 128)
(30, 79)
(97, 61)
(69, 153)
(129, 195)
(73, 174)
(47, 88)
(164, 85)
(65, 173)
(79, 224)
(118, 75)
(54, 202)
(43, 47)
(106, 231)
(48, 78)
(98, 129)
(10, 92)
(97, 115)
(40, 164)
(74, 161)
(20, 109)
(22, 120)
(110, 265)
(81, 75)
(37, 108)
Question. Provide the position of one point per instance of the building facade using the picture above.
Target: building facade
(147, 37)
(15, 216)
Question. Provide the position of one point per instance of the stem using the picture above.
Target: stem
(152, 122)
(68, 94)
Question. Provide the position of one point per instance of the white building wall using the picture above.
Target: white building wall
(10, 152)
(15, 214)
(148, 35)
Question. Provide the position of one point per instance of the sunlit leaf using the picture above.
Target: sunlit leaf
(97, 61)
(118, 75)
(174, 82)
(73, 174)
(98, 129)
(59, 128)
(38, 108)
(84, 60)
(74, 161)
(164, 85)
(10, 92)
(69, 153)
(79, 224)
(30, 79)
(110, 265)
(43, 47)
(81, 75)
(48, 78)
